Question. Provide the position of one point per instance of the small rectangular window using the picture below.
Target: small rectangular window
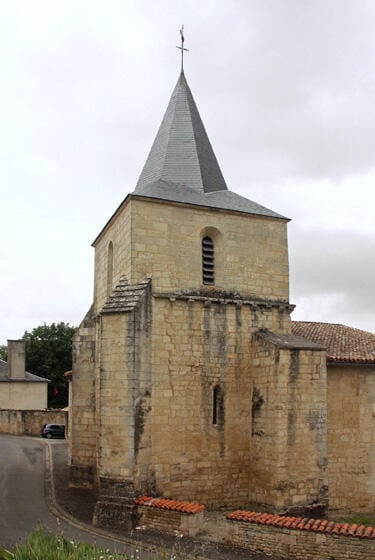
(218, 406)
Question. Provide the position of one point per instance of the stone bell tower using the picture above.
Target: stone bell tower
(187, 382)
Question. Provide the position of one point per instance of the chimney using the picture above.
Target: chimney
(16, 359)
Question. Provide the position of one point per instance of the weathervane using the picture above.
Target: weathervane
(182, 48)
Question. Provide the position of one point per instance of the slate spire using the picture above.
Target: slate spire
(182, 154)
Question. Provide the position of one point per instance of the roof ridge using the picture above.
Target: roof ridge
(332, 324)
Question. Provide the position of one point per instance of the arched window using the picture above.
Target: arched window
(208, 261)
(218, 406)
(109, 268)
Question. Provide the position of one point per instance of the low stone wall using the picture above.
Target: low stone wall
(171, 516)
(29, 422)
(276, 536)
(309, 539)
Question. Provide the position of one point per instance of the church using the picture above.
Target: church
(188, 381)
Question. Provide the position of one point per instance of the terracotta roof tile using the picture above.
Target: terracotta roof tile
(329, 527)
(308, 525)
(360, 531)
(172, 505)
(302, 523)
(345, 529)
(269, 521)
(370, 532)
(315, 526)
(296, 522)
(343, 344)
(305, 524)
(323, 526)
(353, 530)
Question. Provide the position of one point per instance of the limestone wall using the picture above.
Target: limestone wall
(197, 347)
(300, 545)
(116, 435)
(163, 241)
(170, 521)
(275, 457)
(83, 436)
(179, 379)
(351, 438)
(29, 422)
(160, 365)
(125, 389)
(118, 233)
(250, 252)
(289, 448)
(23, 395)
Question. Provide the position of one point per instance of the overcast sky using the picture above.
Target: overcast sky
(286, 91)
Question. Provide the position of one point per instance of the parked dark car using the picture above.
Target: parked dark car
(53, 431)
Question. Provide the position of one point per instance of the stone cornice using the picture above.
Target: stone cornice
(226, 299)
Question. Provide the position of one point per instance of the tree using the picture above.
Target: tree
(49, 355)
(3, 352)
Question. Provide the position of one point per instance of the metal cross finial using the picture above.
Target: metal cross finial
(182, 48)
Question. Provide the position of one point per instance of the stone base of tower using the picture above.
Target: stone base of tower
(115, 513)
(82, 477)
(115, 507)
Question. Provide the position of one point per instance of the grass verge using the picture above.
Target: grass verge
(42, 546)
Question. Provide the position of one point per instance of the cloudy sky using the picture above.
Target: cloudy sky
(285, 89)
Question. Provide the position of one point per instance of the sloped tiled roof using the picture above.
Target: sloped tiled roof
(182, 166)
(171, 505)
(125, 297)
(224, 199)
(28, 376)
(181, 152)
(292, 341)
(304, 524)
(343, 344)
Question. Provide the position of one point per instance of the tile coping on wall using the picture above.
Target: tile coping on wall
(304, 524)
(171, 505)
(298, 523)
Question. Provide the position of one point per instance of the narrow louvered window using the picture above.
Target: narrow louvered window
(208, 264)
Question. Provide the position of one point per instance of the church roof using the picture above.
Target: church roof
(181, 152)
(182, 167)
(345, 345)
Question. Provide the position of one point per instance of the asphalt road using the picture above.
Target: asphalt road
(23, 501)
(27, 500)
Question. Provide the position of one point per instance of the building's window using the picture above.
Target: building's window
(208, 264)
(256, 409)
(218, 406)
(109, 268)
